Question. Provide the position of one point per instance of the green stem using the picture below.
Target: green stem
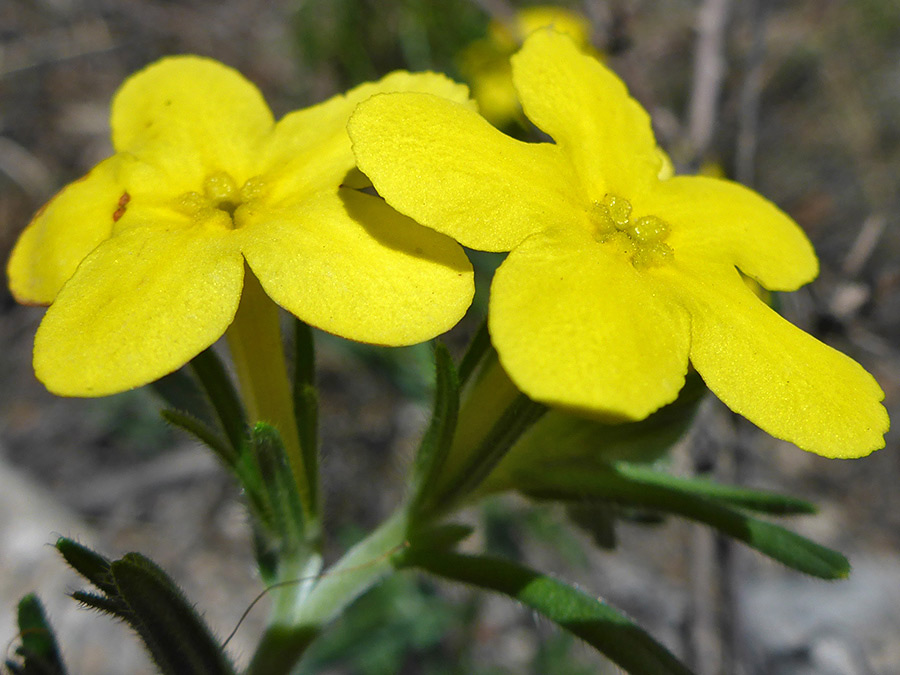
(297, 624)
(254, 339)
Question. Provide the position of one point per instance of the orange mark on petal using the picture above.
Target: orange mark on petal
(123, 202)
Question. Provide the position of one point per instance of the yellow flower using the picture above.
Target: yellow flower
(619, 274)
(143, 259)
(485, 62)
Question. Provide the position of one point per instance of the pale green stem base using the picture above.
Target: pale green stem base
(291, 632)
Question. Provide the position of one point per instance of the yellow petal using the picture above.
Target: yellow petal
(140, 306)
(447, 168)
(191, 116)
(485, 65)
(309, 149)
(586, 108)
(578, 327)
(716, 219)
(780, 378)
(573, 24)
(65, 230)
(347, 263)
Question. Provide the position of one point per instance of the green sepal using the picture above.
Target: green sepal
(515, 420)
(222, 395)
(607, 630)
(202, 432)
(306, 405)
(279, 489)
(39, 651)
(177, 638)
(438, 438)
(562, 436)
(617, 484)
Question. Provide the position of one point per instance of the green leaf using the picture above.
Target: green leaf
(595, 622)
(438, 438)
(306, 405)
(181, 392)
(39, 650)
(202, 432)
(613, 484)
(440, 536)
(304, 355)
(92, 566)
(222, 395)
(176, 636)
(103, 604)
(478, 347)
(140, 593)
(762, 501)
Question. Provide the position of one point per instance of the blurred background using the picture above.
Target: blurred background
(799, 99)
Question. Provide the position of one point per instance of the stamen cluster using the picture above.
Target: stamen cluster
(642, 239)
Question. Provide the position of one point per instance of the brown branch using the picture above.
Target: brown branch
(709, 69)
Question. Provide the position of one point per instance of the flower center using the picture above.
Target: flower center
(642, 240)
(222, 201)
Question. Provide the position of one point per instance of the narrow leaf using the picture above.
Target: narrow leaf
(478, 347)
(103, 604)
(606, 484)
(224, 397)
(306, 409)
(203, 433)
(181, 392)
(306, 405)
(39, 648)
(440, 537)
(438, 438)
(614, 635)
(762, 501)
(92, 566)
(304, 355)
(177, 637)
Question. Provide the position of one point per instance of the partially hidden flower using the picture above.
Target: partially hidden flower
(619, 274)
(485, 62)
(143, 260)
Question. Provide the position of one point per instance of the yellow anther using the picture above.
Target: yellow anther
(642, 240)
(622, 243)
(619, 209)
(252, 189)
(191, 203)
(220, 187)
(651, 254)
(649, 228)
(602, 219)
